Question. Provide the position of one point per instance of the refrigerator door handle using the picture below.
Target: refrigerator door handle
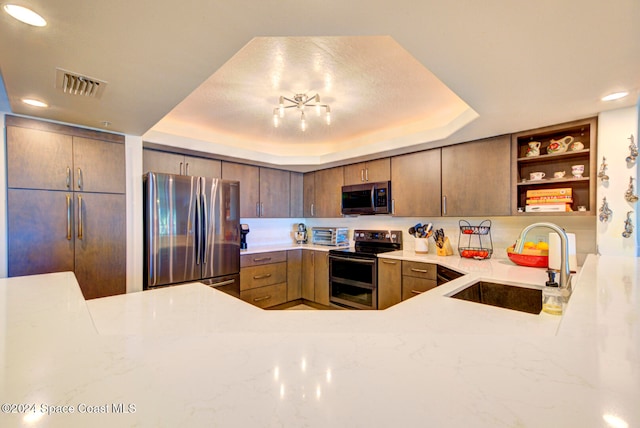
(204, 226)
(197, 229)
(152, 275)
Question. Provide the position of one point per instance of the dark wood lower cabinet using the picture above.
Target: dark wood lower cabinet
(100, 249)
(52, 231)
(40, 225)
(321, 277)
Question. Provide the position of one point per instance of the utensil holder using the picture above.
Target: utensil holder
(446, 249)
(422, 246)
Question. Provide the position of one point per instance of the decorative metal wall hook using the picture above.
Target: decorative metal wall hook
(629, 195)
(601, 174)
(605, 211)
(633, 150)
(628, 226)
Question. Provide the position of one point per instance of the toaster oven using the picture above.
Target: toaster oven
(334, 236)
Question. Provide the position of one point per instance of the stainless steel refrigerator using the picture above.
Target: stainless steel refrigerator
(192, 231)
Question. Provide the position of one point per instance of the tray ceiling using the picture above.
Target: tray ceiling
(205, 75)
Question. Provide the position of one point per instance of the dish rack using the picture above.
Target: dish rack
(483, 250)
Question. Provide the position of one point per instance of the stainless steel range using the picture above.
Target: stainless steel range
(353, 272)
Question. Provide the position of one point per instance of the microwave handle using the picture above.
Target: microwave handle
(373, 197)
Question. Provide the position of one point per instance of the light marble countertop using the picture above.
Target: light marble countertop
(193, 356)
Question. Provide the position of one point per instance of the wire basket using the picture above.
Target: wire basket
(479, 248)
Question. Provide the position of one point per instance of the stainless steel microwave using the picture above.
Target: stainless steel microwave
(368, 198)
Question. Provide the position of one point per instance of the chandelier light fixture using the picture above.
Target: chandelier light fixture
(301, 102)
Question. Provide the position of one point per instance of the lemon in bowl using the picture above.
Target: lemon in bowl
(542, 246)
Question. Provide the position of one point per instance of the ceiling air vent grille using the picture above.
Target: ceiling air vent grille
(77, 84)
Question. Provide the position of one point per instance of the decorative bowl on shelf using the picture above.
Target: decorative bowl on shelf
(559, 146)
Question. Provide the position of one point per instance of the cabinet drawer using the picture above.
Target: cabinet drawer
(265, 297)
(412, 286)
(419, 270)
(259, 276)
(263, 258)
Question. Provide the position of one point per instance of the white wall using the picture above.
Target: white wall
(135, 245)
(504, 230)
(614, 129)
(3, 197)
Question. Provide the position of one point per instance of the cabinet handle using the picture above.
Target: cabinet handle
(257, 209)
(186, 168)
(181, 168)
(417, 292)
(266, 275)
(80, 229)
(259, 299)
(366, 174)
(362, 174)
(262, 259)
(261, 209)
(393, 206)
(389, 262)
(444, 204)
(79, 178)
(418, 270)
(68, 178)
(68, 217)
(312, 210)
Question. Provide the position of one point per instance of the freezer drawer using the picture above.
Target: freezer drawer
(229, 284)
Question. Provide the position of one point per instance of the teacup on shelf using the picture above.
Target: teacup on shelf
(559, 174)
(577, 171)
(536, 176)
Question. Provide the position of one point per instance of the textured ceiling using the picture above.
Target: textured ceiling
(518, 65)
(376, 90)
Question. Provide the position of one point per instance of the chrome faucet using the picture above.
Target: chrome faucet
(565, 271)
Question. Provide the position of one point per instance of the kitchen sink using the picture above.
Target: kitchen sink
(506, 296)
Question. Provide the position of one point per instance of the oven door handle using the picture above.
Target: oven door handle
(351, 259)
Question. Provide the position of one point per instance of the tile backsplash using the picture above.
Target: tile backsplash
(504, 230)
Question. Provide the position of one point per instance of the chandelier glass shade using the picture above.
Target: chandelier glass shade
(302, 103)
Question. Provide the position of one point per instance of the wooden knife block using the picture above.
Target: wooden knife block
(446, 249)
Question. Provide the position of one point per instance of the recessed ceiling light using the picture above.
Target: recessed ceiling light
(34, 103)
(25, 15)
(615, 96)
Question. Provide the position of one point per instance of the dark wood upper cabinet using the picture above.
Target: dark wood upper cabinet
(415, 184)
(476, 178)
(368, 172)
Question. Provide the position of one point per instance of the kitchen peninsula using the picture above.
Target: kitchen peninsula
(193, 356)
